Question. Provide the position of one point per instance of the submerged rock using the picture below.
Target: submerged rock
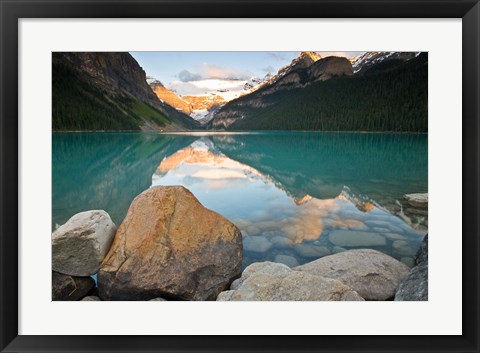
(403, 248)
(374, 275)
(267, 281)
(346, 238)
(394, 236)
(256, 244)
(68, 288)
(409, 261)
(169, 245)
(290, 261)
(310, 250)
(80, 245)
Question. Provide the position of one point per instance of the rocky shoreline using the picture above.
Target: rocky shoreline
(170, 247)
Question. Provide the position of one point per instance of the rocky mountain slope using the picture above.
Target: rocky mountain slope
(167, 96)
(202, 107)
(388, 93)
(379, 59)
(108, 91)
(304, 70)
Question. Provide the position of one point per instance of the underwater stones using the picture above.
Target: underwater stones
(257, 244)
(290, 261)
(310, 250)
(338, 249)
(381, 230)
(80, 245)
(281, 242)
(372, 274)
(345, 238)
(169, 245)
(69, 288)
(268, 281)
(385, 225)
(409, 261)
(394, 236)
(403, 248)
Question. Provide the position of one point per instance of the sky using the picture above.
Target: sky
(182, 71)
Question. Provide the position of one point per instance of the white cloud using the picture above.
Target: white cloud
(207, 71)
(231, 88)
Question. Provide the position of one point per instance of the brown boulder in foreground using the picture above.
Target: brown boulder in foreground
(170, 246)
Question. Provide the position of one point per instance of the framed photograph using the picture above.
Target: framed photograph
(239, 176)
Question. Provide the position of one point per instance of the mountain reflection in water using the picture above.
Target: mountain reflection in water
(289, 193)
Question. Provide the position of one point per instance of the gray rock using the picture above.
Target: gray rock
(268, 281)
(158, 300)
(422, 254)
(372, 274)
(419, 200)
(310, 250)
(69, 288)
(290, 261)
(91, 298)
(345, 238)
(256, 244)
(415, 286)
(80, 245)
(235, 284)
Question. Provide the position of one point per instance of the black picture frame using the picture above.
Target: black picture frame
(12, 11)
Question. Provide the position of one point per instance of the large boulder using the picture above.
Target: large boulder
(80, 245)
(374, 275)
(268, 281)
(170, 246)
(68, 288)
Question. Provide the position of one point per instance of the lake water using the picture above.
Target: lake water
(295, 196)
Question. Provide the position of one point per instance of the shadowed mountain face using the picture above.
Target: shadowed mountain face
(108, 91)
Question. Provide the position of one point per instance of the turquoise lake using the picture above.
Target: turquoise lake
(296, 196)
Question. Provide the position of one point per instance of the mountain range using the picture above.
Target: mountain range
(108, 91)
(375, 91)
